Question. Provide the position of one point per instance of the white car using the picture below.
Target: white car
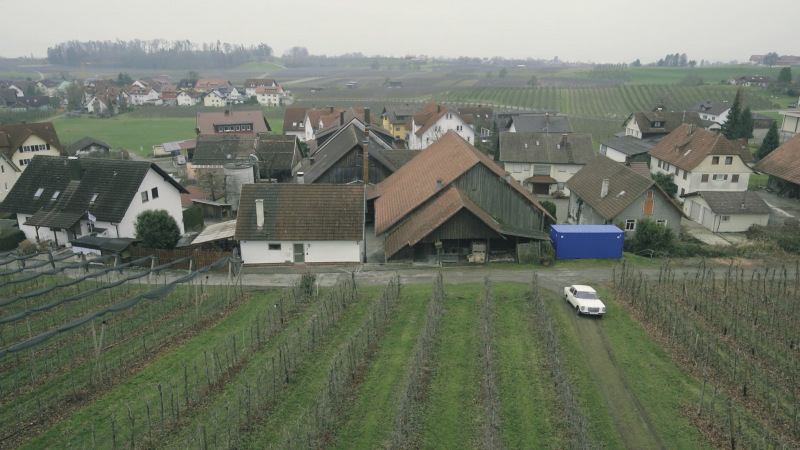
(584, 299)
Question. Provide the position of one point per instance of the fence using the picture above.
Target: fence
(202, 258)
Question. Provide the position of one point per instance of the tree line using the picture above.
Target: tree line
(157, 54)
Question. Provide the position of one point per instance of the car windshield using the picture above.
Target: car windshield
(586, 294)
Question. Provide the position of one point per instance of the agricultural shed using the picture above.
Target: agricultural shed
(723, 212)
(89, 146)
(89, 245)
(449, 197)
(301, 224)
(606, 192)
(587, 241)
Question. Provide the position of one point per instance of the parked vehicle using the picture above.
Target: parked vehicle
(584, 299)
(792, 105)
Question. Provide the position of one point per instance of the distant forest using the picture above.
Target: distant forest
(157, 54)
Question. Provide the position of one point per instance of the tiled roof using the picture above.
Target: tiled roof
(712, 108)
(630, 145)
(193, 192)
(542, 123)
(398, 158)
(15, 135)
(641, 168)
(256, 82)
(729, 202)
(432, 216)
(413, 184)
(115, 182)
(400, 114)
(83, 143)
(206, 120)
(337, 147)
(208, 82)
(670, 119)
(292, 116)
(431, 114)
(479, 112)
(302, 212)
(278, 152)
(546, 148)
(783, 162)
(744, 150)
(686, 149)
(217, 149)
(588, 182)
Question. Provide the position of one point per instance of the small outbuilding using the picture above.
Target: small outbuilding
(587, 241)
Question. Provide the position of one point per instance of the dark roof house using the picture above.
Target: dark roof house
(88, 146)
(652, 123)
(539, 123)
(232, 121)
(574, 148)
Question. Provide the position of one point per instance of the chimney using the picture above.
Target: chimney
(438, 109)
(564, 140)
(365, 152)
(341, 118)
(604, 189)
(366, 116)
(331, 109)
(227, 112)
(547, 118)
(301, 178)
(75, 168)
(259, 212)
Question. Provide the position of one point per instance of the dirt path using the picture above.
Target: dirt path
(630, 417)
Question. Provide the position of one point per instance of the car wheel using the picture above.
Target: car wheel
(577, 310)
(566, 298)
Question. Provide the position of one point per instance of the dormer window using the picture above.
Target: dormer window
(38, 193)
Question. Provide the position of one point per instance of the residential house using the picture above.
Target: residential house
(629, 149)
(251, 84)
(397, 119)
(47, 87)
(757, 81)
(278, 157)
(783, 167)
(21, 142)
(727, 212)
(357, 116)
(231, 122)
(433, 121)
(301, 224)
(188, 98)
(544, 162)
(318, 119)
(140, 95)
(61, 198)
(294, 122)
(230, 93)
(606, 192)
(89, 147)
(701, 160)
(9, 173)
(452, 200)
(539, 123)
(209, 84)
(269, 95)
(8, 97)
(791, 124)
(215, 99)
(659, 123)
(186, 84)
(35, 102)
(483, 117)
(716, 114)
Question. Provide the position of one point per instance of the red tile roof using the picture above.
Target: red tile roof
(783, 162)
(686, 149)
(206, 121)
(195, 192)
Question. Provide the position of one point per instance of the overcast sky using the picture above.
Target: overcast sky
(587, 30)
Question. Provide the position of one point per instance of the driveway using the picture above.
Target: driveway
(782, 207)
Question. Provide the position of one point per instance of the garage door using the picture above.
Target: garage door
(694, 212)
(708, 218)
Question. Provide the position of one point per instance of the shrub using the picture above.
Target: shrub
(193, 218)
(157, 229)
(550, 207)
(651, 239)
(667, 182)
(26, 247)
(11, 240)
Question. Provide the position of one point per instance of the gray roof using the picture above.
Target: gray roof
(624, 187)
(338, 146)
(542, 123)
(397, 158)
(217, 149)
(709, 107)
(630, 145)
(400, 114)
(742, 202)
(85, 142)
(522, 147)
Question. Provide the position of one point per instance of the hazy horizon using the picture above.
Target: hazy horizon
(583, 30)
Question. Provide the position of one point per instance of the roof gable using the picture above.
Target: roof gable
(667, 121)
(16, 135)
(687, 148)
(727, 202)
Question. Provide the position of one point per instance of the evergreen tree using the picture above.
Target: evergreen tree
(746, 124)
(770, 143)
(785, 76)
(732, 126)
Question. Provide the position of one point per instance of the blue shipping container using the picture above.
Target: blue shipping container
(587, 241)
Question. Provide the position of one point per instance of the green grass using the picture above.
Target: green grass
(368, 420)
(756, 181)
(529, 416)
(127, 132)
(452, 408)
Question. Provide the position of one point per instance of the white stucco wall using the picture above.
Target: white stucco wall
(693, 181)
(168, 199)
(19, 155)
(523, 171)
(445, 124)
(258, 252)
(736, 223)
(8, 176)
(613, 154)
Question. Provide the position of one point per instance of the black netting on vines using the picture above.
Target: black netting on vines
(57, 270)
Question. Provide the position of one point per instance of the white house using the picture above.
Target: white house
(214, 98)
(140, 95)
(324, 225)
(713, 112)
(731, 212)
(544, 162)
(9, 173)
(649, 124)
(21, 142)
(251, 84)
(62, 198)
(701, 160)
(188, 98)
(434, 121)
(269, 95)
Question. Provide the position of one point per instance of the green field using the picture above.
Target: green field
(126, 132)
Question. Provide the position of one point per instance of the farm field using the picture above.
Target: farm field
(376, 366)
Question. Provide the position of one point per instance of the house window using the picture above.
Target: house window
(93, 199)
(459, 128)
(55, 195)
(560, 186)
(725, 218)
(728, 160)
(683, 191)
(630, 224)
(715, 160)
(154, 193)
(685, 174)
(574, 169)
(274, 246)
(396, 128)
(659, 163)
(735, 178)
(562, 168)
(145, 198)
(720, 177)
(2, 169)
(666, 167)
(661, 222)
(704, 178)
(38, 193)
(517, 168)
(677, 171)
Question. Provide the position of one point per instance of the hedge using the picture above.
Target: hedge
(193, 218)
(11, 240)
